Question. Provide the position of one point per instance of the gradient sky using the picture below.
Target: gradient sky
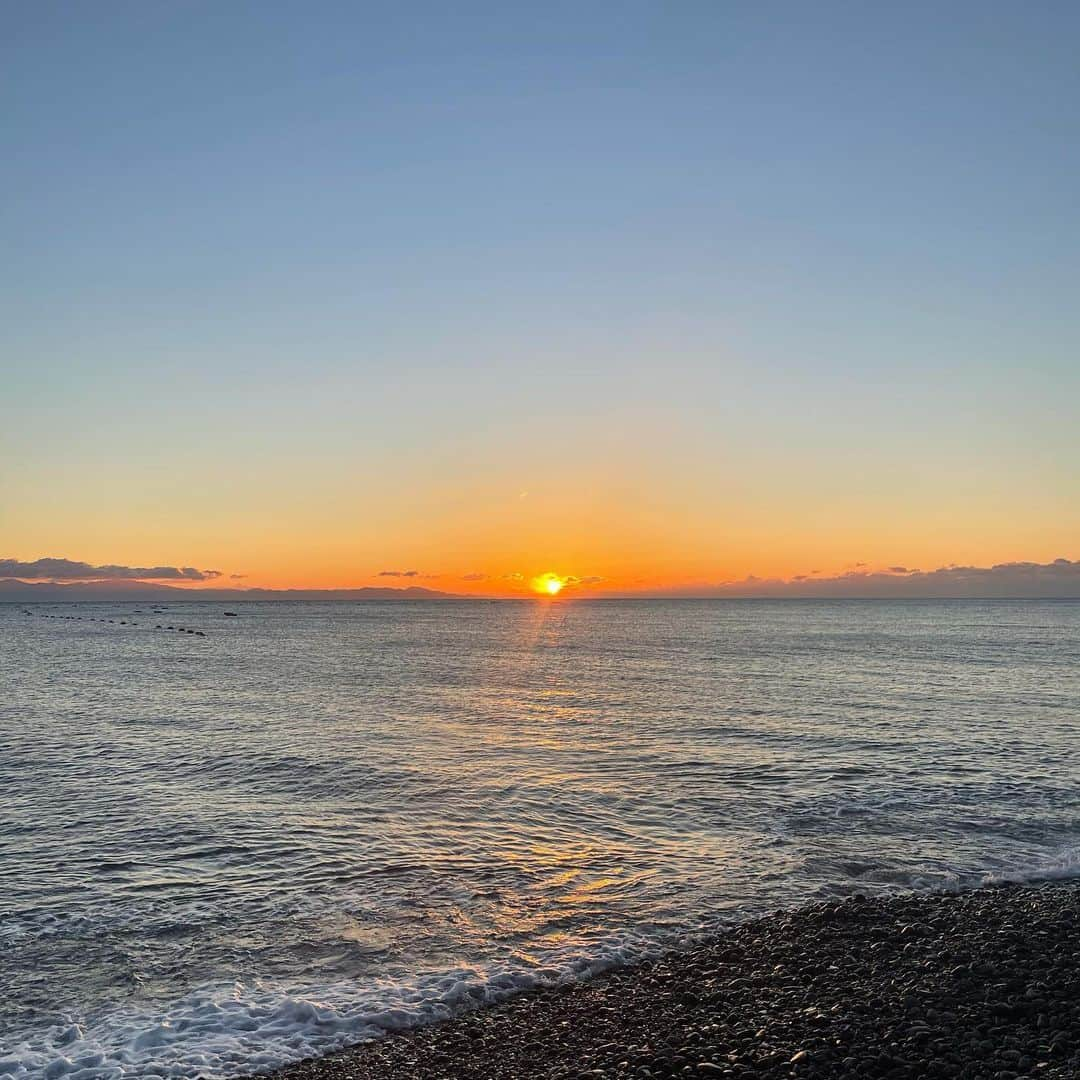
(660, 293)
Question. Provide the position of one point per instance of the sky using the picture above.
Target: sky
(651, 296)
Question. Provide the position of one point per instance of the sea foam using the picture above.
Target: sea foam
(223, 1031)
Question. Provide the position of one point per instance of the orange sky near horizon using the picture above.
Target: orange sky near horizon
(643, 500)
(636, 547)
(643, 497)
(653, 511)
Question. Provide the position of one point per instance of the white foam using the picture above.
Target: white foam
(1060, 867)
(227, 1030)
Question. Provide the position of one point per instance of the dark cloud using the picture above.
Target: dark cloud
(399, 573)
(474, 577)
(237, 577)
(69, 570)
(1059, 579)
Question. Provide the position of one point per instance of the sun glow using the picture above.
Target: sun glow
(548, 584)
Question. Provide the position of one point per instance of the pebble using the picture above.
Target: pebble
(989, 989)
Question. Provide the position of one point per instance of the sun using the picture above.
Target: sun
(548, 584)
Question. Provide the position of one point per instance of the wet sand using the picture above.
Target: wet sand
(983, 984)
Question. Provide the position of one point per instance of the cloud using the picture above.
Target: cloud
(237, 577)
(69, 570)
(1059, 579)
(515, 576)
(400, 573)
(592, 580)
(474, 577)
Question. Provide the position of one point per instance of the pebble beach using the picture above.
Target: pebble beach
(979, 985)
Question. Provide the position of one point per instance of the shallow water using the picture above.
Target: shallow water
(317, 822)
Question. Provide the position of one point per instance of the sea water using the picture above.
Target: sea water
(317, 823)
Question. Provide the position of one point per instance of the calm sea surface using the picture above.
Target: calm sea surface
(316, 822)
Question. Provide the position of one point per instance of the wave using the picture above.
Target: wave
(228, 1030)
(1060, 867)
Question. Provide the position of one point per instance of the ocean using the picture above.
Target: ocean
(319, 822)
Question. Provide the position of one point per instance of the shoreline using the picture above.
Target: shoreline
(977, 984)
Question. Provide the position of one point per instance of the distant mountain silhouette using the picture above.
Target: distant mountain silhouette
(12, 589)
